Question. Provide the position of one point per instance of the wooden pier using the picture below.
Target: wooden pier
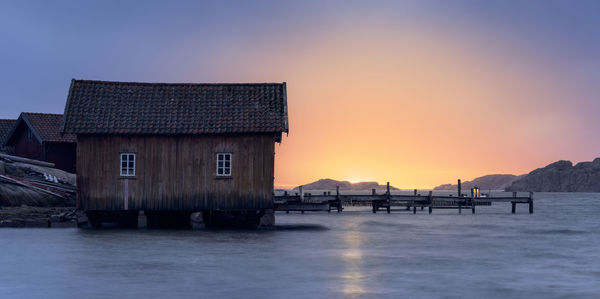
(307, 202)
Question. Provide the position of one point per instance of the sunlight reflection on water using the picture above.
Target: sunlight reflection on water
(353, 263)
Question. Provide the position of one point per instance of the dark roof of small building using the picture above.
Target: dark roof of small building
(102, 107)
(45, 126)
(6, 126)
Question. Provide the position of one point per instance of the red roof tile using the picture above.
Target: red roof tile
(47, 126)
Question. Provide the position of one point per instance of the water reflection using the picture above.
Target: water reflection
(353, 275)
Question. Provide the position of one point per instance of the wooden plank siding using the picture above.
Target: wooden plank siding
(175, 172)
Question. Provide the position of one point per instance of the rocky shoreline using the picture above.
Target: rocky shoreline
(28, 216)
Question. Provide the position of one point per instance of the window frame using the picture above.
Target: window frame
(127, 168)
(224, 168)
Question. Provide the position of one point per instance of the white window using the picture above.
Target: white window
(127, 164)
(223, 164)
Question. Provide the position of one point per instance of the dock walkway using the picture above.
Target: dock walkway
(307, 202)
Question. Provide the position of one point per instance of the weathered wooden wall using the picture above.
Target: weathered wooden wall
(28, 148)
(175, 173)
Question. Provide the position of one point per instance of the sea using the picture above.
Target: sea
(553, 253)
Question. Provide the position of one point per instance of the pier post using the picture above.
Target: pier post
(459, 187)
(414, 209)
(514, 207)
(530, 202)
(388, 196)
(301, 193)
(338, 199)
(430, 201)
(459, 208)
(415, 192)
(472, 206)
(142, 220)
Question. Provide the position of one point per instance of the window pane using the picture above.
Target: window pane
(124, 164)
(227, 163)
(131, 157)
(123, 171)
(130, 164)
(220, 157)
(123, 157)
(220, 171)
(226, 170)
(130, 172)
(227, 157)
(220, 164)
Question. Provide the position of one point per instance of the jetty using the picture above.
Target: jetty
(307, 202)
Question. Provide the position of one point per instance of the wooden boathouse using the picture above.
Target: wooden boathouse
(166, 151)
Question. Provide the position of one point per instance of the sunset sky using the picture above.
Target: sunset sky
(418, 93)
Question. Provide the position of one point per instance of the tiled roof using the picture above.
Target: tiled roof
(101, 107)
(47, 126)
(6, 126)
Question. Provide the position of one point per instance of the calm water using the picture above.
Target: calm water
(553, 253)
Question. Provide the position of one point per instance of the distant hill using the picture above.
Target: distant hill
(329, 184)
(487, 182)
(561, 176)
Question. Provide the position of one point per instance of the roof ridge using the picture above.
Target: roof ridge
(41, 113)
(176, 83)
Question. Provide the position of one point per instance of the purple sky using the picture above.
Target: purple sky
(534, 67)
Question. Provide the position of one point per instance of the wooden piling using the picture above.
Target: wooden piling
(530, 202)
(389, 203)
(301, 193)
(514, 207)
(459, 187)
(473, 205)
(430, 201)
(339, 199)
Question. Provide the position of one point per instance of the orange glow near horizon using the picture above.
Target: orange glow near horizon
(417, 109)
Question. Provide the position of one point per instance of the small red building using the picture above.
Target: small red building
(37, 136)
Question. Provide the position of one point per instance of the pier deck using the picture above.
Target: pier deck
(305, 202)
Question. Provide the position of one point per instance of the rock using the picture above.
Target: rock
(197, 221)
(268, 219)
(561, 176)
(329, 184)
(487, 182)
